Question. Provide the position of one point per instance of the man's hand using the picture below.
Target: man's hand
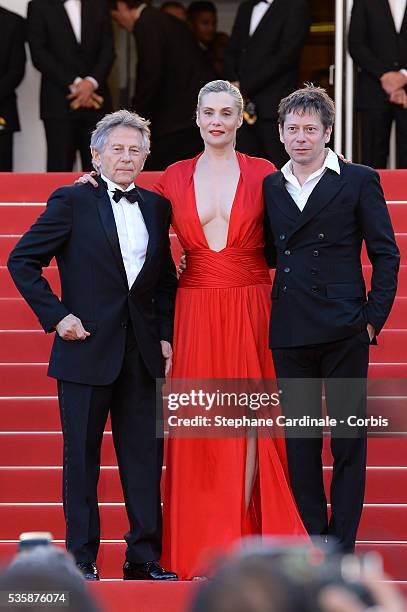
(124, 16)
(399, 97)
(71, 328)
(371, 331)
(392, 81)
(182, 263)
(166, 350)
(81, 93)
(88, 178)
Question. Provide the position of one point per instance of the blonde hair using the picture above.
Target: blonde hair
(220, 86)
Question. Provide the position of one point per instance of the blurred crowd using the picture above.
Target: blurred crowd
(178, 49)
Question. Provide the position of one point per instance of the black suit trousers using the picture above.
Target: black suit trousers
(342, 365)
(131, 400)
(375, 127)
(6, 151)
(67, 135)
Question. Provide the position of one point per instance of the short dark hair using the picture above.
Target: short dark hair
(200, 6)
(309, 98)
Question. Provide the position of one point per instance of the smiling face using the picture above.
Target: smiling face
(304, 137)
(218, 119)
(123, 156)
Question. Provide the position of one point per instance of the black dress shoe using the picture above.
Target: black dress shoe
(151, 570)
(89, 570)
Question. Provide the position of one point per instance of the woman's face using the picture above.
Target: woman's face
(218, 119)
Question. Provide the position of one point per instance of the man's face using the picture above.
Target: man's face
(204, 26)
(304, 137)
(123, 157)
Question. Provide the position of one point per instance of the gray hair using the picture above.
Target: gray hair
(312, 99)
(120, 118)
(220, 86)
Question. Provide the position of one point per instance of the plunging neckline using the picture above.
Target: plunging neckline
(198, 219)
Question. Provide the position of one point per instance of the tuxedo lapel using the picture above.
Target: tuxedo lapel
(109, 225)
(324, 192)
(63, 25)
(86, 22)
(265, 20)
(383, 7)
(148, 212)
(403, 29)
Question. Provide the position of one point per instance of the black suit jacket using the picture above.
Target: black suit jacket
(376, 47)
(12, 65)
(78, 228)
(171, 69)
(266, 64)
(57, 55)
(319, 293)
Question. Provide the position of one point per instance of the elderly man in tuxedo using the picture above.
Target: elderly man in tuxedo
(113, 327)
(71, 44)
(12, 67)
(378, 44)
(319, 210)
(262, 60)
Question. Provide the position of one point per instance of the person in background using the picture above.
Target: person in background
(171, 68)
(12, 67)
(71, 44)
(202, 18)
(262, 60)
(378, 45)
(176, 9)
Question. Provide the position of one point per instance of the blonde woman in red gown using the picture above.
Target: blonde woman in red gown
(217, 490)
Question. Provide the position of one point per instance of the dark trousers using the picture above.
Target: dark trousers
(170, 148)
(262, 140)
(6, 151)
(342, 365)
(66, 136)
(131, 400)
(375, 133)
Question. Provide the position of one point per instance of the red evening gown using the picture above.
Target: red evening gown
(221, 331)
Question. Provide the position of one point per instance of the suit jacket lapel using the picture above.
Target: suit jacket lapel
(64, 25)
(326, 190)
(86, 22)
(268, 15)
(403, 29)
(109, 225)
(283, 200)
(387, 14)
(148, 212)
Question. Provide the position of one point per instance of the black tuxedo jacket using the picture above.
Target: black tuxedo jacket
(266, 64)
(12, 65)
(376, 47)
(319, 293)
(78, 228)
(171, 69)
(57, 55)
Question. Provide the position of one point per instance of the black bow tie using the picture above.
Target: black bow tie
(132, 196)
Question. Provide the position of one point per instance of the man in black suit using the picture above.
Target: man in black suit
(318, 212)
(71, 44)
(378, 45)
(12, 67)
(114, 328)
(171, 69)
(262, 60)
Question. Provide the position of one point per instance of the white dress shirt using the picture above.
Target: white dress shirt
(258, 12)
(398, 9)
(300, 194)
(73, 9)
(131, 229)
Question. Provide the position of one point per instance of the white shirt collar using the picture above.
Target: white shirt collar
(111, 186)
(140, 9)
(331, 162)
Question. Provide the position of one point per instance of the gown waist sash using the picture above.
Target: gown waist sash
(230, 267)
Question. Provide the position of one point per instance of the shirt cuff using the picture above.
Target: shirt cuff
(96, 84)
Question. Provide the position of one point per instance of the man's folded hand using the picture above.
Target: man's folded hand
(71, 328)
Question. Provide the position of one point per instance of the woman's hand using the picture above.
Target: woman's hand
(88, 178)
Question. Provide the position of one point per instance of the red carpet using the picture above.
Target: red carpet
(31, 443)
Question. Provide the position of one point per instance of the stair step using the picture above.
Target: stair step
(35, 346)
(379, 522)
(111, 557)
(23, 484)
(45, 449)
